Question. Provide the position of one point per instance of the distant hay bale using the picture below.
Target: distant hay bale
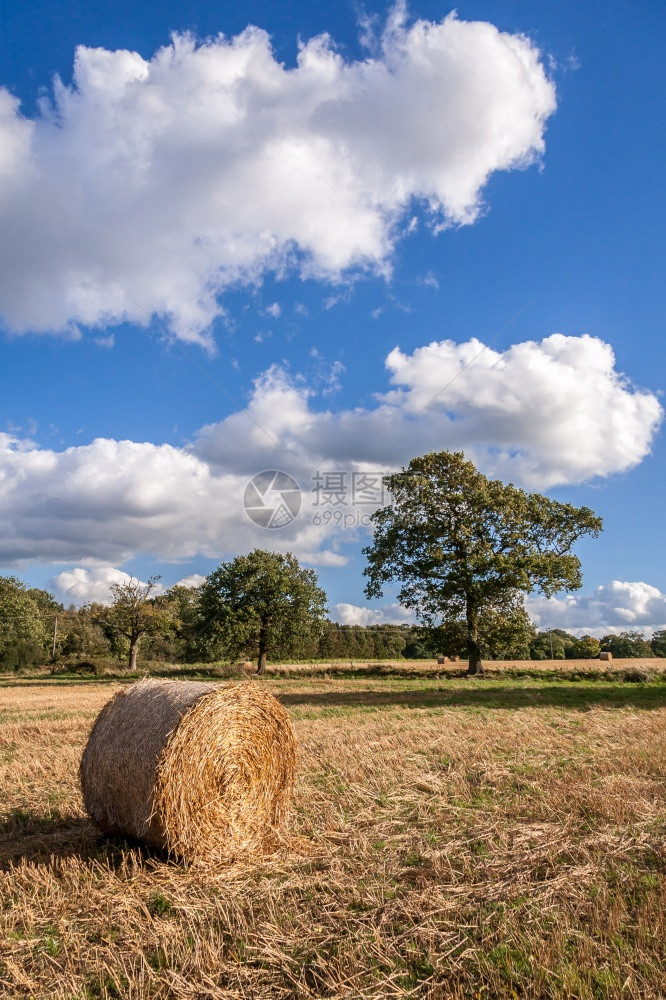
(205, 772)
(246, 665)
(455, 659)
(442, 659)
(605, 655)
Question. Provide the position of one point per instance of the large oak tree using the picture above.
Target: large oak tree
(458, 543)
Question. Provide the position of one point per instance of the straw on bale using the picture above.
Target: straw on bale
(206, 772)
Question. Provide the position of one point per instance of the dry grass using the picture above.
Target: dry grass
(655, 666)
(484, 838)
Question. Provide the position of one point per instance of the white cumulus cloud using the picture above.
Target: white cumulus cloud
(613, 607)
(389, 614)
(191, 582)
(80, 585)
(105, 502)
(539, 413)
(542, 413)
(149, 186)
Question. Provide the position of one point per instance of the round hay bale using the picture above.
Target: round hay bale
(442, 659)
(205, 772)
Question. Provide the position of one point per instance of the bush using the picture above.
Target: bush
(94, 665)
(417, 649)
(636, 675)
(84, 667)
(21, 655)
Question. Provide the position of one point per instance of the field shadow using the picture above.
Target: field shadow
(38, 840)
(574, 695)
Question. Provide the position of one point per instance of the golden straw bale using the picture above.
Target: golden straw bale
(205, 772)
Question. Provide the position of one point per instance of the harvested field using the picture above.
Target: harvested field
(494, 837)
(430, 668)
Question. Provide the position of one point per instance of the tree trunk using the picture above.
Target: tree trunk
(475, 663)
(263, 650)
(475, 666)
(134, 649)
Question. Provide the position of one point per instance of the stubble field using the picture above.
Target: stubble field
(495, 837)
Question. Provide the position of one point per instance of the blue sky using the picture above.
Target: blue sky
(411, 211)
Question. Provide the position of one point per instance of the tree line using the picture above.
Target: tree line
(463, 549)
(175, 627)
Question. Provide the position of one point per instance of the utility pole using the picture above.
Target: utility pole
(550, 636)
(55, 635)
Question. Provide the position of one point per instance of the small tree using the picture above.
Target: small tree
(459, 543)
(586, 648)
(133, 614)
(258, 604)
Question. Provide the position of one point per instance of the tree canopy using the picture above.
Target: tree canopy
(630, 644)
(459, 543)
(258, 604)
(25, 626)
